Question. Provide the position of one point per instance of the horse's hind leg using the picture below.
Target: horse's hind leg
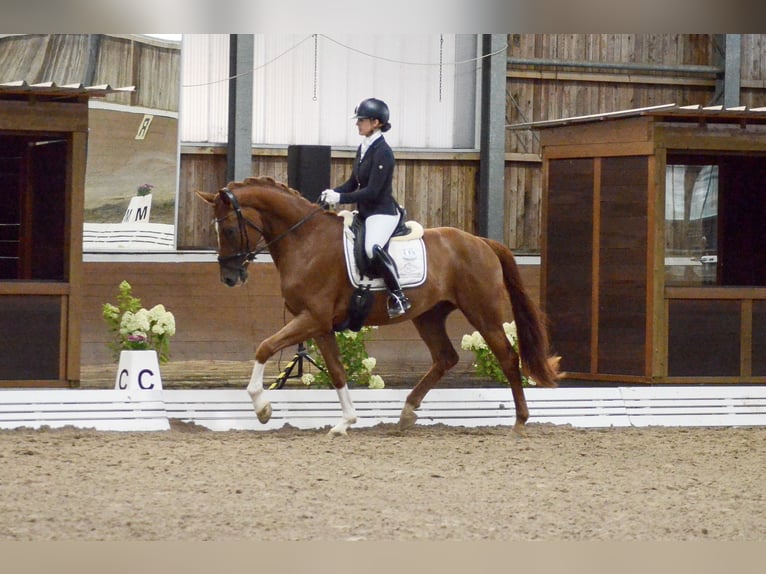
(432, 327)
(508, 359)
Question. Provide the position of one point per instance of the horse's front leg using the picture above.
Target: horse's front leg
(261, 404)
(297, 330)
(328, 346)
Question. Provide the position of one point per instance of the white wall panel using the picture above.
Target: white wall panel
(305, 88)
(203, 115)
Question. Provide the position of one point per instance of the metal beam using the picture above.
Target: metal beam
(240, 144)
(732, 72)
(727, 55)
(491, 200)
(589, 64)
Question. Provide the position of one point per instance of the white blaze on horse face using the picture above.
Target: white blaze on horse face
(217, 234)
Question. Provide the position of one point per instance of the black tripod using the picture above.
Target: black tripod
(301, 355)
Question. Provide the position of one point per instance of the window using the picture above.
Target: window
(691, 223)
(714, 220)
(33, 219)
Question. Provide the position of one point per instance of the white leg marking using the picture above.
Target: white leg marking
(408, 417)
(255, 390)
(349, 413)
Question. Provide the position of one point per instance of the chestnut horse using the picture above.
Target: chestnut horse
(479, 276)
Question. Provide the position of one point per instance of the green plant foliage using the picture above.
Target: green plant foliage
(356, 362)
(485, 363)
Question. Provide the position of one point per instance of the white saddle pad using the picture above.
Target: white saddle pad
(408, 254)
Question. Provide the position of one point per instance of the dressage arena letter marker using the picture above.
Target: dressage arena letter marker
(138, 370)
(143, 127)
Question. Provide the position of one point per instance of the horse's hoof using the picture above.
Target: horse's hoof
(264, 415)
(341, 428)
(519, 431)
(408, 417)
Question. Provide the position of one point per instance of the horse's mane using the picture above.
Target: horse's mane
(264, 181)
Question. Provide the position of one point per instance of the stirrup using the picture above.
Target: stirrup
(398, 305)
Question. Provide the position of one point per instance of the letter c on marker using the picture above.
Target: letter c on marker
(141, 382)
(120, 384)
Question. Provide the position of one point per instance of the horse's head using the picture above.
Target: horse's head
(236, 247)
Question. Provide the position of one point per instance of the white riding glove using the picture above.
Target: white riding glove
(330, 196)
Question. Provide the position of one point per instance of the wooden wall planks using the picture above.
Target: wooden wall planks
(217, 322)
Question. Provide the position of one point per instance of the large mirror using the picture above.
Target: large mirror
(133, 134)
(132, 169)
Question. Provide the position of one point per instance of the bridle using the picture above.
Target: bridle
(245, 254)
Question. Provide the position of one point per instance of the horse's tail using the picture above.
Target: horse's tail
(530, 325)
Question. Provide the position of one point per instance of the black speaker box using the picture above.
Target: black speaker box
(308, 169)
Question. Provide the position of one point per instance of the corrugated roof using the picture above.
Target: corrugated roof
(669, 112)
(51, 89)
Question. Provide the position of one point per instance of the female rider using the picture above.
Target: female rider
(370, 187)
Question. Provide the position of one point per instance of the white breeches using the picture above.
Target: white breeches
(378, 230)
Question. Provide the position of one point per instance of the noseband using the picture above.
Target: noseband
(245, 253)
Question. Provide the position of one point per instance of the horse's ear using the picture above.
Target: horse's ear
(206, 197)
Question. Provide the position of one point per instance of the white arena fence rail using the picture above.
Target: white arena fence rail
(225, 409)
(109, 410)
(128, 236)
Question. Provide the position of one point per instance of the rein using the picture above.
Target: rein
(245, 252)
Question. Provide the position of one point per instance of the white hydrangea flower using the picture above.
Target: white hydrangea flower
(511, 333)
(510, 330)
(376, 382)
(142, 319)
(170, 324)
(135, 323)
(163, 322)
(369, 363)
(466, 342)
(478, 341)
(307, 379)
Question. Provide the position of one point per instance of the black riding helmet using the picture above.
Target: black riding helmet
(375, 109)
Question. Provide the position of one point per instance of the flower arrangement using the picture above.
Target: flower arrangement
(485, 362)
(356, 362)
(144, 189)
(134, 328)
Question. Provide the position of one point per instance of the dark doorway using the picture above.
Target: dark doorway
(33, 220)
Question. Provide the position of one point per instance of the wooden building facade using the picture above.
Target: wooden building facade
(654, 252)
(549, 76)
(43, 147)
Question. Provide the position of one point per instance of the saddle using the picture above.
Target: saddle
(365, 265)
(406, 248)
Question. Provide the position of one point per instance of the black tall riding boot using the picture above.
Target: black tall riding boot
(398, 304)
